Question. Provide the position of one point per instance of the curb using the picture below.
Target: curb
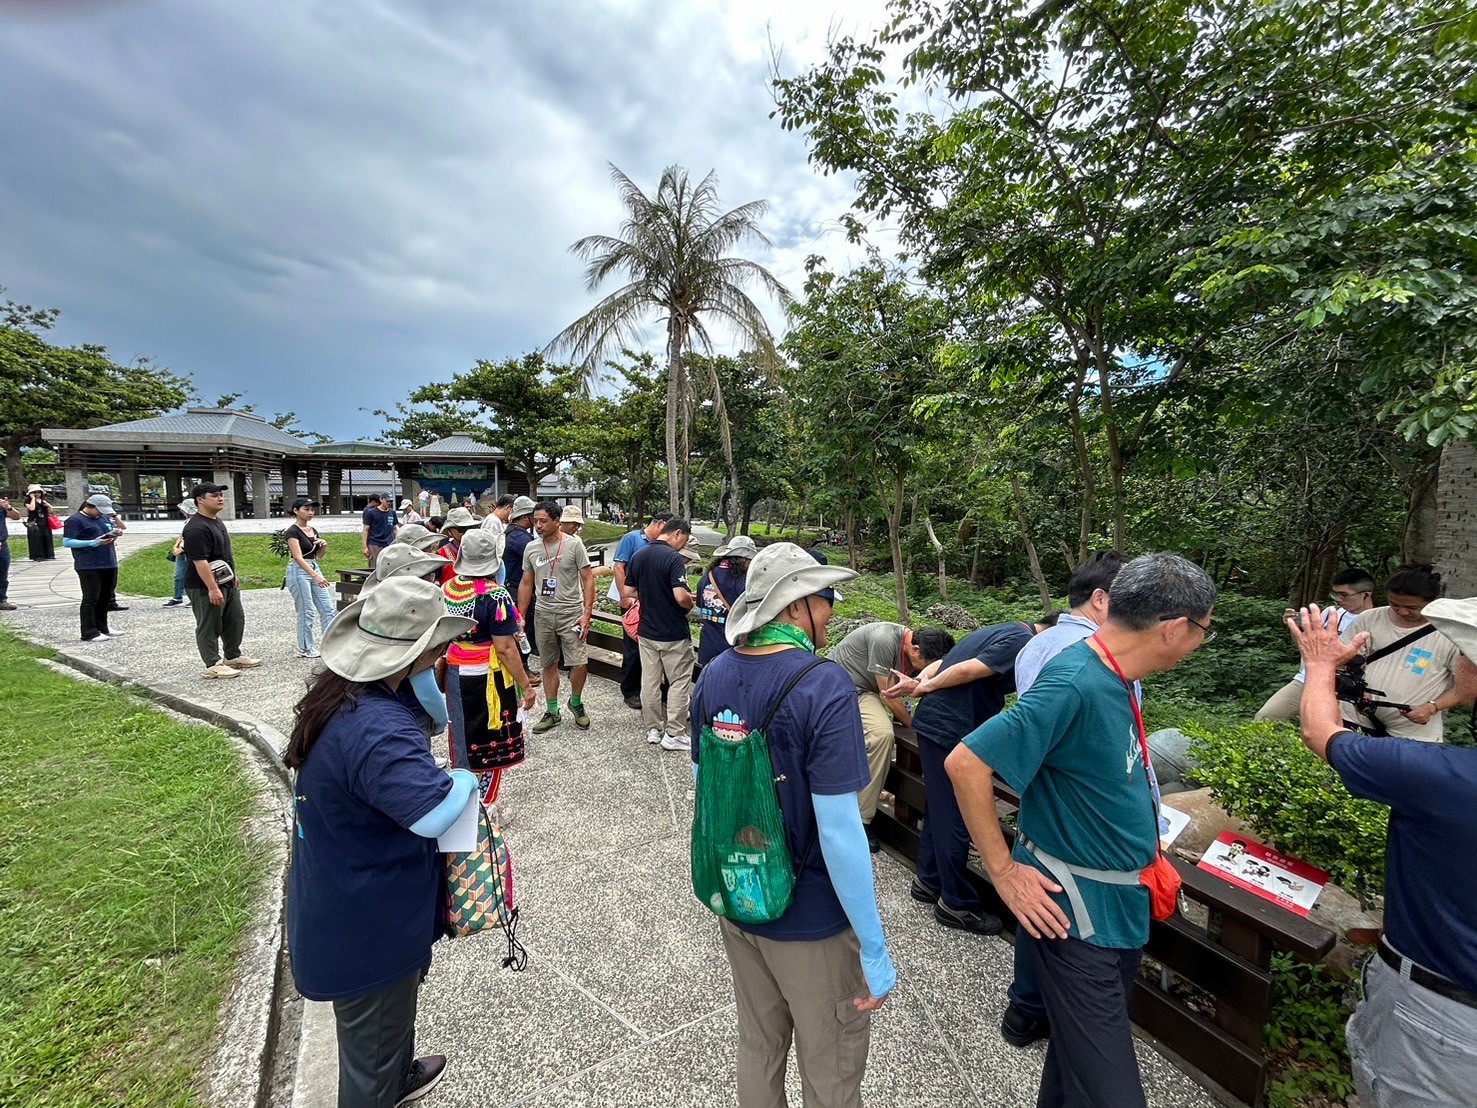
(241, 1068)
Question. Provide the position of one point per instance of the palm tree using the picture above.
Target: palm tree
(672, 253)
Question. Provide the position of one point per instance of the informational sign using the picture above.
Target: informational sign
(1284, 881)
(1171, 822)
(452, 473)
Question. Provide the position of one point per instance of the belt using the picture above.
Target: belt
(1425, 978)
(1066, 875)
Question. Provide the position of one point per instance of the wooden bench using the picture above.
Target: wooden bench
(1228, 962)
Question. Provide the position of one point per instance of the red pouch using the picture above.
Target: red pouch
(631, 620)
(1163, 882)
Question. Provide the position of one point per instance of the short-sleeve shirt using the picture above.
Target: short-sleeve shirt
(1430, 894)
(816, 746)
(307, 543)
(654, 572)
(1070, 747)
(484, 600)
(559, 563)
(381, 526)
(717, 590)
(205, 540)
(85, 528)
(514, 545)
(364, 892)
(1412, 675)
(625, 550)
(945, 716)
(870, 647)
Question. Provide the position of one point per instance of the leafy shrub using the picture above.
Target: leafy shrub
(1310, 1058)
(1262, 773)
(1251, 658)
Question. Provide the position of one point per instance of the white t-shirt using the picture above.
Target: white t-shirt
(1346, 619)
(1413, 675)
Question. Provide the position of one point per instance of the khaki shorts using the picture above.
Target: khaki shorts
(551, 637)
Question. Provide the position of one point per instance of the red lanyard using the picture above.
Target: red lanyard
(1138, 716)
(557, 551)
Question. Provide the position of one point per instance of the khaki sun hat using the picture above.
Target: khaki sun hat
(691, 551)
(33, 488)
(1457, 620)
(779, 575)
(422, 538)
(481, 553)
(522, 506)
(384, 632)
(402, 560)
(461, 519)
(740, 546)
(571, 514)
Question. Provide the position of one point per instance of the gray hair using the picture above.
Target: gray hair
(1156, 587)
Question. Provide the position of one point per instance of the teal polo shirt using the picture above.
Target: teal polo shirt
(1070, 747)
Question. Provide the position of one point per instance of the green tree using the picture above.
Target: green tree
(622, 457)
(672, 251)
(42, 385)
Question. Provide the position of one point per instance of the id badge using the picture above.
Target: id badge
(550, 585)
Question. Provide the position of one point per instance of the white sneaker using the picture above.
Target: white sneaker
(99, 637)
(220, 672)
(654, 736)
(307, 654)
(676, 742)
(114, 634)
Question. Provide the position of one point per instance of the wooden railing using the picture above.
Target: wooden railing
(1227, 963)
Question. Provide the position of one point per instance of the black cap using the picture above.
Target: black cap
(205, 488)
(303, 502)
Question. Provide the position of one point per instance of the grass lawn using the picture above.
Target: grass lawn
(125, 885)
(595, 532)
(149, 573)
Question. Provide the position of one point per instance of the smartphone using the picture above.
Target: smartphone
(881, 670)
(1292, 614)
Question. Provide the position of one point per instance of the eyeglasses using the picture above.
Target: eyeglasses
(1209, 634)
(1349, 594)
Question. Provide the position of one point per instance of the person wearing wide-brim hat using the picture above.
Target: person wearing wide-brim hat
(487, 687)
(402, 560)
(717, 589)
(366, 882)
(420, 536)
(1421, 987)
(571, 519)
(305, 579)
(40, 544)
(789, 974)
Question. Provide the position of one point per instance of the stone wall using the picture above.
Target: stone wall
(1456, 518)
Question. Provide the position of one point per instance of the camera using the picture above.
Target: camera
(1350, 683)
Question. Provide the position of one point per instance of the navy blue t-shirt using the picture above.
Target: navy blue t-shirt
(717, 590)
(364, 893)
(654, 572)
(381, 526)
(514, 544)
(79, 526)
(946, 716)
(815, 743)
(1430, 891)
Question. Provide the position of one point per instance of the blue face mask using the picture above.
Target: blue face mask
(430, 697)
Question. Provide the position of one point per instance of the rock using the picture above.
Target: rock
(951, 616)
(839, 628)
(1339, 912)
(1170, 750)
(1207, 820)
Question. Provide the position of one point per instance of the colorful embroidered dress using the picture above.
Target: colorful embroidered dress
(482, 698)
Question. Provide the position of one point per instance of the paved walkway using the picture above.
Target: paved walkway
(626, 999)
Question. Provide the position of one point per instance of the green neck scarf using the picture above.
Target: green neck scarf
(774, 634)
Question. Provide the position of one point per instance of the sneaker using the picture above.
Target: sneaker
(221, 671)
(981, 923)
(6, 606)
(173, 602)
(99, 637)
(115, 634)
(241, 661)
(873, 846)
(118, 607)
(1020, 1030)
(581, 717)
(922, 893)
(422, 1078)
(676, 742)
(441, 763)
(306, 654)
(548, 723)
(633, 702)
(655, 736)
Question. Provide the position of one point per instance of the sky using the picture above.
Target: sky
(326, 203)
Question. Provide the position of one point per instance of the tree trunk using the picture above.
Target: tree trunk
(895, 542)
(720, 415)
(1031, 556)
(1456, 518)
(1084, 464)
(784, 519)
(15, 471)
(675, 342)
(1418, 544)
(938, 549)
(974, 566)
(851, 554)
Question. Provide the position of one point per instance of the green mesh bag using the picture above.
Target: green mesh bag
(741, 864)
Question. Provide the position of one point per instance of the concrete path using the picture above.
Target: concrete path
(627, 998)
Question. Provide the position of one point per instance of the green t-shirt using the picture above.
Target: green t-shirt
(870, 647)
(556, 567)
(1070, 747)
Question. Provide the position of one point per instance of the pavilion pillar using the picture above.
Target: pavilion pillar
(235, 485)
(76, 488)
(315, 485)
(128, 486)
(335, 489)
(289, 483)
(261, 493)
(174, 487)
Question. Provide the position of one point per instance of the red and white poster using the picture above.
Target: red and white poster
(1258, 869)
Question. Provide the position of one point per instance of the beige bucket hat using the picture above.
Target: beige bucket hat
(1457, 620)
(402, 560)
(481, 553)
(386, 631)
(740, 546)
(522, 506)
(422, 538)
(571, 514)
(779, 575)
(461, 519)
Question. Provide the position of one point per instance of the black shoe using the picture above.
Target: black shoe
(633, 702)
(117, 607)
(981, 923)
(922, 893)
(872, 844)
(422, 1078)
(1019, 1029)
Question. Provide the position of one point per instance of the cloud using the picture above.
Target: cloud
(325, 204)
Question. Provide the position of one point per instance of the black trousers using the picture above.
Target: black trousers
(1090, 1061)
(376, 1044)
(943, 847)
(630, 667)
(99, 588)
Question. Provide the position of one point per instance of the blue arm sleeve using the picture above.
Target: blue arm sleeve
(73, 544)
(838, 822)
(440, 818)
(431, 698)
